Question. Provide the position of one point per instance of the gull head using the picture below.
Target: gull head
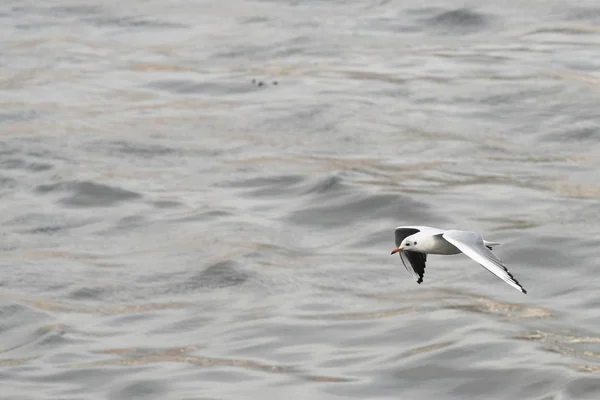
(408, 244)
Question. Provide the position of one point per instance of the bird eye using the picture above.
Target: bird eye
(415, 243)
(407, 244)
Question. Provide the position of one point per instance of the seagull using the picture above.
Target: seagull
(413, 243)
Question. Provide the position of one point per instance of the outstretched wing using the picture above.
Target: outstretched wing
(413, 262)
(471, 244)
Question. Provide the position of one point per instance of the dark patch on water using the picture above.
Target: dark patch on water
(589, 14)
(70, 10)
(18, 116)
(7, 183)
(327, 185)
(167, 204)
(47, 223)
(345, 210)
(131, 221)
(278, 186)
(141, 389)
(281, 181)
(133, 22)
(459, 21)
(146, 150)
(17, 163)
(583, 388)
(508, 99)
(204, 216)
(254, 20)
(251, 52)
(7, 311)
(89, 194)
(220, 275)
(291, 185)
(583, 134)
(213, 88)
(48, 230)
(89, 293)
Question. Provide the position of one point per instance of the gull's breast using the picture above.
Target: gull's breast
(438, 245)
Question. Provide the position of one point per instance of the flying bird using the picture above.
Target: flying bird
(413, 243)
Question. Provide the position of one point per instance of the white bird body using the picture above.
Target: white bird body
(413, 243)
(433, 244)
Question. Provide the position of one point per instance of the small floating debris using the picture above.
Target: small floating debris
(261, 83)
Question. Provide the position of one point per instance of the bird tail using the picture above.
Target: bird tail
(489, 245)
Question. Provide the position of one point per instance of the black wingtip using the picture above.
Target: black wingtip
(420, 280)
(523, 290)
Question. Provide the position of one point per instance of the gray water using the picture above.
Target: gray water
(199, 197)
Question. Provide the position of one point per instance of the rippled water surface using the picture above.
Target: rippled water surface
(199, 197)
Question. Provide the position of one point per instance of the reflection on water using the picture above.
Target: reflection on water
(571, 346)
(175, 355)
(509, 311)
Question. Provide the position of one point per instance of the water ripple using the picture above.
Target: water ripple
(199, 199)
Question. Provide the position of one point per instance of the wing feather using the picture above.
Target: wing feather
(472, 245)
(413, 262)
